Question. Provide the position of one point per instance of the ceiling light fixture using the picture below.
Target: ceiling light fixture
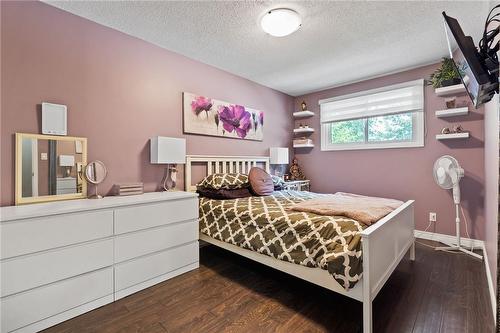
(280, 22)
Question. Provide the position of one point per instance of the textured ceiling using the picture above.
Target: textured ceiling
(339, 42)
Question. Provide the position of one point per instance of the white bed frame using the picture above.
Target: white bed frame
(384, 243)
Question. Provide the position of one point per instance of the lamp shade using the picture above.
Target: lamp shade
(278, 155)
(168, 150)
(66, 160)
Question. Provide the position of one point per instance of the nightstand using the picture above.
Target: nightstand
(297, 185)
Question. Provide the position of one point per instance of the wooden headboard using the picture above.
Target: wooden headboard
(222, 164)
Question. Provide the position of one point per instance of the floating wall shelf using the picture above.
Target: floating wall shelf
(305, 130)
(464, 135)
(303, 146)
(303, 114)
(452, 112)
(451, 90)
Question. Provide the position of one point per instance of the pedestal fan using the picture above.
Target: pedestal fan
(447, 174)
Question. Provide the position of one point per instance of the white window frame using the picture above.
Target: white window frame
(418, 123)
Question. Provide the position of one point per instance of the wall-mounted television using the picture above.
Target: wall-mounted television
(480, 80)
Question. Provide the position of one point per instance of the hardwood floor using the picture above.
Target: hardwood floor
(439, 292)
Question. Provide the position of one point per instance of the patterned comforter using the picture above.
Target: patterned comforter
(264, 225)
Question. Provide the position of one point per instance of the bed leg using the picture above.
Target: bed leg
(367, 290)
(412, 251)
(367, 316)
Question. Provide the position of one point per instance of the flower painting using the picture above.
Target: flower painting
(203, 115)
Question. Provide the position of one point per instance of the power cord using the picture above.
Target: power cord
(454, 252)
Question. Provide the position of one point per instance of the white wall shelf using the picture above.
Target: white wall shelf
(464, 135)
(450, 90)
(305, 130)
(303, 114)
(452, 112)
(308, 145)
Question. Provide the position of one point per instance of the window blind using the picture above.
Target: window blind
(405, 97)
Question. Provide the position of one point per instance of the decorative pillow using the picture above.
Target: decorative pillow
(223, 194)
(261, 182)
(278, 182)
(225, 180)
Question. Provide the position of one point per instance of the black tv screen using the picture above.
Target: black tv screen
(475, 77)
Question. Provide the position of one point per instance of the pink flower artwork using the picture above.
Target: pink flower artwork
(223, 119)
(234, 117)
(200, 104)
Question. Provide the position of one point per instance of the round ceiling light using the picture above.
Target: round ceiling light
(280, 22)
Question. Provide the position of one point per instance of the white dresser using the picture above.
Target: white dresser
(61, 259)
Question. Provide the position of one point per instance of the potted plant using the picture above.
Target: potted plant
(446, 75)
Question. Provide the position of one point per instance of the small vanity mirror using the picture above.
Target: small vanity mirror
(49, 168)
(95, 172)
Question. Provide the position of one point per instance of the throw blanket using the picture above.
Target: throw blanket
(367, 210)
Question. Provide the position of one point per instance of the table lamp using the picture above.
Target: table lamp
(170, 151)
(278, 156)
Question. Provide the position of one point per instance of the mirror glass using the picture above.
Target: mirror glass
(95, 172)
(49, 167)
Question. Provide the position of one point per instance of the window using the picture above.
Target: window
(389, 117)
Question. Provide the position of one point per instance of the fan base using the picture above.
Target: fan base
(459, 248)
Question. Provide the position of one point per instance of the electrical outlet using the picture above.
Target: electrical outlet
(432, 217)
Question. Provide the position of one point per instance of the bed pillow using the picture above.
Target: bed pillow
(226, 181)
(279, 183)
(261, 182)
(223, 194)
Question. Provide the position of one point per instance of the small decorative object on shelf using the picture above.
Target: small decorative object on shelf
(297, 185)
(303, 142)
(446, 75)
(128, 189)
(295, 171)
(458, 129)
(303, 106)
(450, 102)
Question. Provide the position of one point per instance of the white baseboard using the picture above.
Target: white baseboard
(490, 283)
(448, 239)
(466, 242)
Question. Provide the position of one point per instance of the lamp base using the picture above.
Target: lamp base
(169, 178)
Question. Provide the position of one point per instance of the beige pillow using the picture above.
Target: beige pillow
(261, 182)
(226, 181)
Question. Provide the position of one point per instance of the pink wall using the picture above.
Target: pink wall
(403, 173)
(120, 91)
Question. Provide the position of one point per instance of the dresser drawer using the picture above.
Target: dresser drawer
(38, 234)
(27, 272)
(25, 308)
(128, 246)
(145, 268)
(152, 215)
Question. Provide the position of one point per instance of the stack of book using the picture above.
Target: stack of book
(302, 141)
(128, 189)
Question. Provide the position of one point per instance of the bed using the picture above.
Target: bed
(367, 254)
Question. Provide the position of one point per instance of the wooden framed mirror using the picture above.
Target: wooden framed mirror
(50, 168)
